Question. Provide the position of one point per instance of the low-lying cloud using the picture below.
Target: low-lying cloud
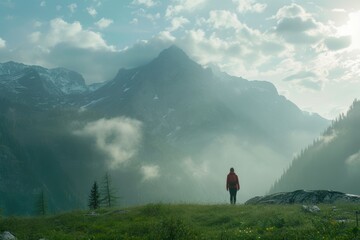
(118, 137)
(2, 43)
(329, 137)
(353, 164)
(150, 172)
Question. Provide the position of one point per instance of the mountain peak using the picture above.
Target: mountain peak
(173, 53)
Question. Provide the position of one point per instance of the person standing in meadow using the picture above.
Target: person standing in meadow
(232, 185)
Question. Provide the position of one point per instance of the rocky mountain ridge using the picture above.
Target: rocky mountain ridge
(39, 86)
(173, 92)
(57, 81)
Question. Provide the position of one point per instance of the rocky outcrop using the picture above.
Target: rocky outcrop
(311, 209)
(7, 236)
(305, 197)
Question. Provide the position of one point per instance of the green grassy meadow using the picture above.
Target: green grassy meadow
(191, 221)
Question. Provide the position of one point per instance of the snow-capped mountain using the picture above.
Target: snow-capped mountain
(196, 121)
(174, 92)
(39, 85)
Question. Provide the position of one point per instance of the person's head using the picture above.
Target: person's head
(231, 169)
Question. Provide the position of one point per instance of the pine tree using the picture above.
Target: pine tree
(94, 197)
(40, 204)
(108, 192)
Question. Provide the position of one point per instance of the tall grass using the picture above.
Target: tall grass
(188, 221)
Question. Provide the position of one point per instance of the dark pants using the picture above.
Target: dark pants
(233, 192)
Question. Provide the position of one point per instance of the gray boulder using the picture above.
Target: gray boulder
(311, 209)
(305, 197)
(7, 236)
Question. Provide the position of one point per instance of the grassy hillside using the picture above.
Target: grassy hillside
(162, 221)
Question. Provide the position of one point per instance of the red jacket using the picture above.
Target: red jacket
(232, 181)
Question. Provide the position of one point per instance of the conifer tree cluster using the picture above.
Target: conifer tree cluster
(94, 198)
(105, 196)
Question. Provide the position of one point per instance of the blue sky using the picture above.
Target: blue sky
(310, 50)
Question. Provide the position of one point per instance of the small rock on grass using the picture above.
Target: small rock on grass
(311, 209)
(7, 236)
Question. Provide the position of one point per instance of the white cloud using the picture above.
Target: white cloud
(312, 76)
(297, 26)
(73, 34)
(104, 23)
(166, 36)
(329, 137)
(340, 10)
(92, 11)
(35, 37)
(351, 28)
(294, 25)
(153, 16)
(353, 164)
(70, 45)
(147, 3)
(244, 6)
(178, 22)
(301, 76)
(134, 21)
(292, 10)
(143, 13)
(118, 137)
(353, 159)
(72, 7)
(150, 172)
(96, 62)
(311, 84)
(224, 19)
(337, 43)
(183, 5)
(2, 43)
(42, 4)
(223, 40)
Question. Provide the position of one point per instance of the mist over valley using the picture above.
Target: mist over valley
(166, 131)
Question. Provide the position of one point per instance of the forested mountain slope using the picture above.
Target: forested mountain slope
(331, 162)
